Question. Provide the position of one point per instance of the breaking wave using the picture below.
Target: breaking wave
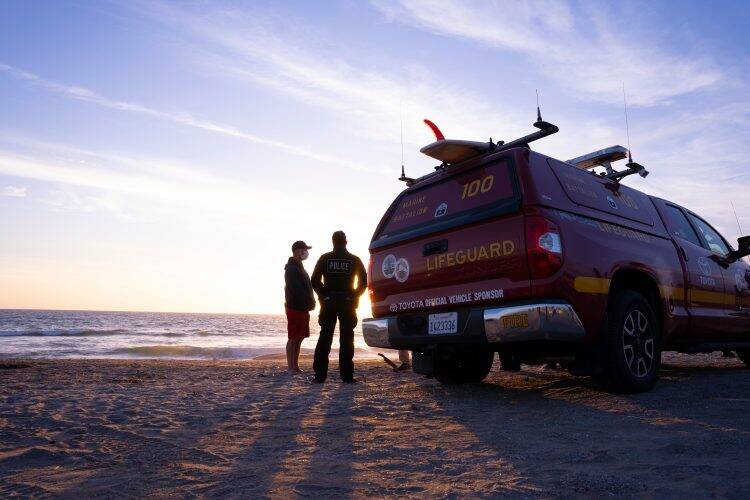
(191, 352)
(63, 333)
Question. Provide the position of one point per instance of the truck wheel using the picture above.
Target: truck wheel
(744, 356)
(463, 366)
(632, 350)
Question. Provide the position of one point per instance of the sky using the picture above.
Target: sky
(164, 156)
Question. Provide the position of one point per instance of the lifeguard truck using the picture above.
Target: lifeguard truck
(505, 250)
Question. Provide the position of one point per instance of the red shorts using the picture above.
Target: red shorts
(298, 324)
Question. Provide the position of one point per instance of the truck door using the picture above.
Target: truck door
(737, 280)
(704, 287)
(736, 293)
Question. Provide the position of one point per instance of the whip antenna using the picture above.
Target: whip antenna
(627, 124)
(408, 180)
(401, 120)
(737, 218)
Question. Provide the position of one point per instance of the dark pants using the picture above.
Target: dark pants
(344, 311)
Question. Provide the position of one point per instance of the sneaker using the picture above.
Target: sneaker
(349, 381)
(402, 367)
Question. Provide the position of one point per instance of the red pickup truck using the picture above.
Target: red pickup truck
(541, 260)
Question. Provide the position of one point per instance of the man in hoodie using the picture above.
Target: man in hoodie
(299, 302)
(334, 281)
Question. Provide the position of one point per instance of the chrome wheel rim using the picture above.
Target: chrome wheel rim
(638, 343)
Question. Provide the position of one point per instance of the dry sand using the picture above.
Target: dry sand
(245, 429)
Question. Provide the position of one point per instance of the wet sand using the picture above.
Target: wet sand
(106, 428)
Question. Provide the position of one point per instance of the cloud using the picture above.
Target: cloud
(184, 119)
(98, 171)
(13, 191)
(576, 47)
(588, 50)
(277, 54)
(144, 188)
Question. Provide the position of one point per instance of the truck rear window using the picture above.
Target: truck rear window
(472, 194)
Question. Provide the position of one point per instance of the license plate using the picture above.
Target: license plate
(438, 324)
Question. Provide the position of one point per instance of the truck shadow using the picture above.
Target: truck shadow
(572, 434)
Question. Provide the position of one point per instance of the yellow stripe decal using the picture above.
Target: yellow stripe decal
(672, 292)
(586, 284)
(705, 296)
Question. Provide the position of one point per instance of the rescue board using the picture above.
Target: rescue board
(455, 150)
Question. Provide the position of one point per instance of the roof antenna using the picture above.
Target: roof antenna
(735, 216)
(538, 110)
(633, 166)
(408, 180)
(627, 124)
(541, 124)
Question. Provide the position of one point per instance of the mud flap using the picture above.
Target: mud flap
(422, 363)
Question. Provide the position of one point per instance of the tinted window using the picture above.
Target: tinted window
(680, 226)
(452, 197)
(710, 236)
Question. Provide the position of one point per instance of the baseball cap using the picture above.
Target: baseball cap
(300, 244)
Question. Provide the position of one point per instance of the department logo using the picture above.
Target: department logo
(704, 266)
(612, 202)
(402, 270)
(389, 266)
(339, 266)
(441, 210)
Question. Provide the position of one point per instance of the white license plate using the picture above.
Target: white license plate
(442, 323)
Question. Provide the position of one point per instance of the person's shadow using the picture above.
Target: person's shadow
(331, 468)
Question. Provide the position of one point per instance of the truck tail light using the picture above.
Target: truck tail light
(543, 247)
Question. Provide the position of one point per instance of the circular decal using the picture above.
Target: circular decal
(389, 266)
(612, 202)
(705, 267)
(441, 210)
(402, 270)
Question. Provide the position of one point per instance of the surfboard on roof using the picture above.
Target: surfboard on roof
(451, 151)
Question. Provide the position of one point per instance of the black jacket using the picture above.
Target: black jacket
(335, 272)
(298, 289)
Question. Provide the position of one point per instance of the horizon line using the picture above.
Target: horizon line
(133, 311)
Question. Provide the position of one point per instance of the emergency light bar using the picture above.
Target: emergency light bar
(600, 158)
(604, 158)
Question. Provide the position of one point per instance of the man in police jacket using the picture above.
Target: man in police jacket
(333, 281)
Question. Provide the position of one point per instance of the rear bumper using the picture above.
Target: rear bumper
(540, 321)
(553, 321)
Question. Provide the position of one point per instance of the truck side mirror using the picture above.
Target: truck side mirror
(743, 249)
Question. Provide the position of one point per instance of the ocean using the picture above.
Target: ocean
(98, 334)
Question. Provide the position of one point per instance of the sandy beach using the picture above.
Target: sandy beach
(109, 428)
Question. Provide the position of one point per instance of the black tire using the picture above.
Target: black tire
(744, 356)
(632, 352)
(463, 366)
